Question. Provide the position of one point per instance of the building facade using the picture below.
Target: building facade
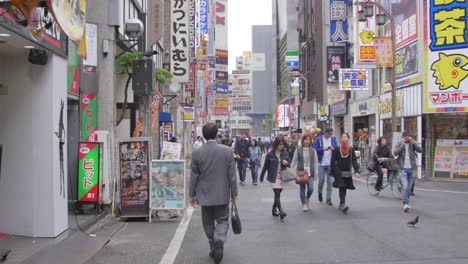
(240, 96)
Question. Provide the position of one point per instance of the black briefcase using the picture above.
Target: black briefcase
(235, 220)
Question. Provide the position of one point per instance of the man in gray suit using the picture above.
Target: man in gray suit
(213, 184)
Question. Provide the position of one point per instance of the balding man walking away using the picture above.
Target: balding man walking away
(213, 184)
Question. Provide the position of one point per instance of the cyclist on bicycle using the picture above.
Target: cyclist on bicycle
(381, 156)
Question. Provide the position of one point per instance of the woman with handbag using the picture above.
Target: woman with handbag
(306, 163)
(381, 152)
(342, 162)
(275, 161)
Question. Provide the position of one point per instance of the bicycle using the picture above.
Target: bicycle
(392, 180)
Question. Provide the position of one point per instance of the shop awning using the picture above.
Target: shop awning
(165, 117)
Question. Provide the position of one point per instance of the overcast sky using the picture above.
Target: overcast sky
(242, 15)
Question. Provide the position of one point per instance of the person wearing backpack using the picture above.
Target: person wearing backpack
(324, 145)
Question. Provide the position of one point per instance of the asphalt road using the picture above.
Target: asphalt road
(374, 231)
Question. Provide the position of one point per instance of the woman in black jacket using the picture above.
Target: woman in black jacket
(275, 161)
(380, 152)
(342, 162)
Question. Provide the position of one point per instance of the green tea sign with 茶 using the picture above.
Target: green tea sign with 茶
(88, 172)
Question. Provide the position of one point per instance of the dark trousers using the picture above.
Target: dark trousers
(242, 167)
(277, 201)
(342, 195)
(215, 222)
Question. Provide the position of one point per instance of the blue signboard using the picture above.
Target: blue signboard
(203, 17)
(338, 20)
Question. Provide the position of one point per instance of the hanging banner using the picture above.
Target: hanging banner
(282, 115)
(88, 117)
(192, 31)
(338, 20)
(89, 160)
(134, 176)
(73, 69)
(446, 86)
(155, 103)
(90, 63)
(171, 151)
(336, 59)
(383, 52)
(203, 26)
(167, 184)
(189, 114)
(180, 45)
(354, 79)
(365, 33)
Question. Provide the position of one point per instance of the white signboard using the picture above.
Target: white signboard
(180, 43)
(171, 151)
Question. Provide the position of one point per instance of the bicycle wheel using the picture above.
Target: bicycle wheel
(396, 187)
(371, 180)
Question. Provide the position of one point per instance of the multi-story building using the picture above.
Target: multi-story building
(240, 96)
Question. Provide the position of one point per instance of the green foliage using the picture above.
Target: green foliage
(124, 63)
(163, 76)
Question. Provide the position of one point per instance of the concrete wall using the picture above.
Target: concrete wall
(30, 199)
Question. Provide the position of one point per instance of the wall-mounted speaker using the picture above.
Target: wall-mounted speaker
(38, 57)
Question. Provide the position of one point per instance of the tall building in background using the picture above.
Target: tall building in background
(263, 94)
(240, 96)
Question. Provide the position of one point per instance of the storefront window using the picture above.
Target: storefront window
(387, 130)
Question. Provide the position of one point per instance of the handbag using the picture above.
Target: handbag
(235, 220)
(346, 174)
(287, 175)
(302, 177)
(371, 165)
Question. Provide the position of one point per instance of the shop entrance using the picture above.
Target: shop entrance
(73, 139)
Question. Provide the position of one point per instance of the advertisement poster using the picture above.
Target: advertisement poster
(88, 172)
(90, 63)
(354, 79)
(221, 104)
(189, 114)
(365, 33)
(73, 69)
(88, 117)
(336, 59)
(282, 115)
(406, 60)
(443, 158)
(460, 159)
(167, 189)
(171, 151)
(335, 95)
(134, 174)
(446, 86)
(338, 20)
(180, 48)
(383, 52)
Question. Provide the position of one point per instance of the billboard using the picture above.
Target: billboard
(365, 33)
(446, 85)
(338, 20)
(180, 48)
(88, 172)
(203, 11)
(336, 59)
(282, 115)
(354, 79)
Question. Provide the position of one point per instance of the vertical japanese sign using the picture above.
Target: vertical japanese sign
(383, 52)
(446, 87)
(336, 59)
(221, 41)
(134, 172)
(180, 43)
(203, 26)
(365, 33)
(90, 63)
(338, 20)
(88, 117)
(155, 103)
(88, 172)
(192, 31)
(221, 101)
(405, 13)
(282, 115)
(73, 69)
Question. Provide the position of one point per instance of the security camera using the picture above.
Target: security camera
(134, 28)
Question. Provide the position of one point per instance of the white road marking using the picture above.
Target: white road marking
(176, 242)
(422, 189)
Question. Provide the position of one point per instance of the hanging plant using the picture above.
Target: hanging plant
(124, 63)
(163, 76)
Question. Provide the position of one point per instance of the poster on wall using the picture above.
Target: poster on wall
(336, 59)
(134, 155)
(88, 110)
(407, 61)
(89, 168)
(443, 158)
(171, 151)
(365, 33)
(446, 84)
(460, 163)
(339, 20)
(167, 190)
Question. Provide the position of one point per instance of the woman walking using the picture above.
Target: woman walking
(305, 158)
(342, 162)
(255, 155)
(276, 160)
(381, 152)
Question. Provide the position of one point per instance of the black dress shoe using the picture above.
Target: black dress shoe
(274, 212)
(320, 197)
(218, 252)
(329, 202)
(282, 214)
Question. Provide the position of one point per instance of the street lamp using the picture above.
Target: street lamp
(367, 7)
